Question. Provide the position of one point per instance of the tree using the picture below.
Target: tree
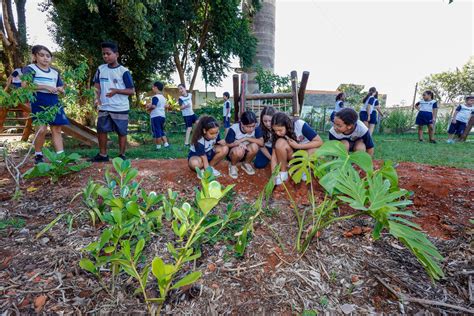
(207, 35)
(136, 26)
(13, 37)
(157, 36)
(451, 86)
(354, 93)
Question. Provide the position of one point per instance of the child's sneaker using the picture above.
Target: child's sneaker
(99, 158)
(233, 172)
(433, 141)
(248, 168)
(122, 156)
(450, 141)
(215, 172)
(158, 147)
(420, 140)
(38, 159)
(166, 145)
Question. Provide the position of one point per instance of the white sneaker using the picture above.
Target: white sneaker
(215, 172)
(281, 177)
(450, 141)
(248, 168)
(233, 172)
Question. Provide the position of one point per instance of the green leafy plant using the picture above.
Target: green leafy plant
(58, 166)
(398, 121)
(375, 193)
(14, 97)
(243, 235)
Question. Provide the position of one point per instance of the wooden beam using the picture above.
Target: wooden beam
(235, 82)
(294, 92)
(469, 126)
(302, 89)
(267, 96)
(243, 92)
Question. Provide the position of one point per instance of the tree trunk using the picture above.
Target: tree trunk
(179, 67)
(20, 11)
(10, 38)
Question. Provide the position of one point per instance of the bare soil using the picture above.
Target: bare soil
(337, 274)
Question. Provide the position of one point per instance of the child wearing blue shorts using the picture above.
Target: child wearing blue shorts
(113, 85)
(186, 103)
(427, 110)
(368, 113)
(48, 85)
(340, 98)
(461, 117)
(264, 155)
(157, 109)
(351, 132)
(207, 148)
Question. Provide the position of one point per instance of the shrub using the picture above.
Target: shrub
(399, 121)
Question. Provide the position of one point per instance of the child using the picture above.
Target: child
(461, 117)
(14, 79)
(186, 103)
(290, 135)
(207, 148)
(113, 84)
(368, 114)
(158, 116)
(48, 85)
(340, 98)
(264, 155)
(428, 108)
(351, 132)
(226, 111)
(243, 139)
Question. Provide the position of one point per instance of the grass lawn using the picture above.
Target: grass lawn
(388, 147)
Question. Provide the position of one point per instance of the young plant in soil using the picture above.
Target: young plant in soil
(132, 218)
(59, 165)
(376, 193)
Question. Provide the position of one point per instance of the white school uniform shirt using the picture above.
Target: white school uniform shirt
(358, 132)
(160, 107)
(204, 145)
(373, 103)
(235, 131)
(427, 106)
(113, 78)
(298, 129)
(17, 80)
(46, 78)
(339, 106)
(224, 109)
(187, 100)
(464, 113)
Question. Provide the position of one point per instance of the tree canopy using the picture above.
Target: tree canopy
(451, 86)
(156, 36)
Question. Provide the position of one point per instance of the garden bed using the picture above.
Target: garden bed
(337, 273)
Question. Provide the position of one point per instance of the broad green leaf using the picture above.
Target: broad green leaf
(117, 215)
(126, 249)
(188, 279)
(131, 174)
(133, 208)
(88, 265)
(363, 160)
(117, 163)
(332, 148)
(138, 249)
(105, 237)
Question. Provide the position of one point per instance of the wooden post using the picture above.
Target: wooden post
(3, 116)
(294, 91)
(414, 99)
(235, 81)
(302, 89)
(243, 92)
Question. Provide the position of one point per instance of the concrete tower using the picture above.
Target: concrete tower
(263, 26)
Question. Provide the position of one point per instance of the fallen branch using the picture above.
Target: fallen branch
(405, 298)
(239, 269)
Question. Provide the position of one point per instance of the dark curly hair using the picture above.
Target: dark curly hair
(282, 119)
(267, 133)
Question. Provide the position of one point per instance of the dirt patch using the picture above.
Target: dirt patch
(336, 274)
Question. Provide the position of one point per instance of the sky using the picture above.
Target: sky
(387, 44)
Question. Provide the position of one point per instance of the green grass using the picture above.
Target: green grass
(388, 147)
(12, 222)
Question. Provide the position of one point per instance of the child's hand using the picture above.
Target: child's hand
(52, 89)
(293, 144)
(60, 89)
(111, 92)
(97, 102)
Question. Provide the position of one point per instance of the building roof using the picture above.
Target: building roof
(322, 92)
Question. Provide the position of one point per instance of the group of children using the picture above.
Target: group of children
(250, 143)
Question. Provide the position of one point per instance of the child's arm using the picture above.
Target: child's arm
(316, 142)
(129, 88)
(265, 152)
(231, 141)
(259, 141)
(417, 106)
(456, 114)
(183, 105)
(435, 111)
(205, 162)
(153, 104)
(97, 90)
(377, 107)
